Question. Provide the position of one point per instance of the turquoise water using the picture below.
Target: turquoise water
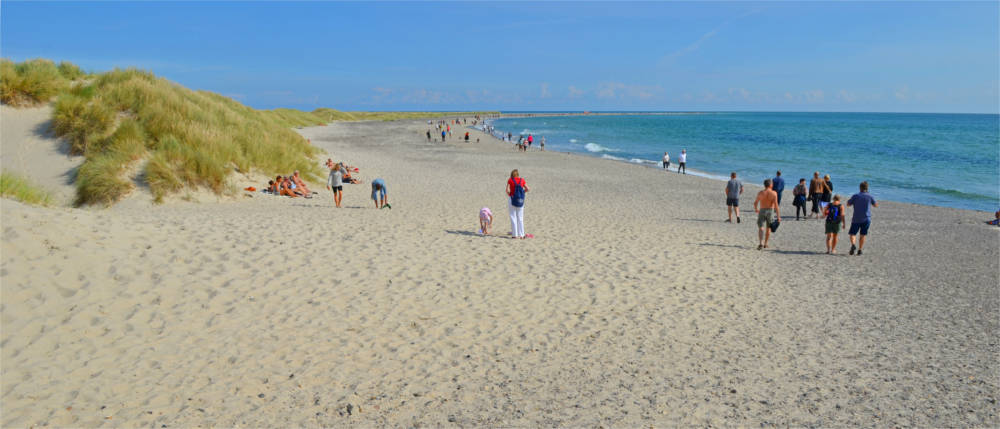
(948, 160)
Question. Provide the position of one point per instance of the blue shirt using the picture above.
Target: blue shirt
(862, 203)
(778, 184)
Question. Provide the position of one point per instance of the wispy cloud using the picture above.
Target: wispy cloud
(575, 92)
(544, 91)
(673, 56)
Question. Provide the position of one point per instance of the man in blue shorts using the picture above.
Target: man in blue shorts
(862, 217)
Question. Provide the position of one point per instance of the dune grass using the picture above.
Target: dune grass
(19, 188)
(187, 138)
(122, 120)
(36, 81)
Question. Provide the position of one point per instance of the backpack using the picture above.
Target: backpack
(834, 214)
(517, 199)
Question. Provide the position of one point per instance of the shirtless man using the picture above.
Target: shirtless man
(766, 205)
(300, 184)
(286, 188)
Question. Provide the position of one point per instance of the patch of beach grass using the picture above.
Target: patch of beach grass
(32, 82)
(19, 188)
(191, 139)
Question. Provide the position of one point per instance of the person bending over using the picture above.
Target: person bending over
(378, 194)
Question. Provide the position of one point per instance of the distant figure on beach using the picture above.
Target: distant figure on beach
(516, 188)
(531, 139)
(816, 187)
(428, 135)
(682, 161)
(835, 219)
(541, 145)
(734, 188)
(827, 190)
(485, 220)
(666, 161)
(799, 199)
(335, 183)
(768, 212)
(779, 185)
(443, 133)
(378, 188)
(466, 136)
(861, 219)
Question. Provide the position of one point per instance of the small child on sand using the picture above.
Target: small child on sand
(485, 220)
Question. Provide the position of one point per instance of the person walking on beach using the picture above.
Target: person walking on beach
(861, 219)
(815, 193)
(734, 188)
(378, 194)
(799, 198)
(682, 161)
(428, 135)
(827, 190)
(768, 212)
(666, 161)
(835, 219)
(779, 185)
(442, 135)
(335, 183)
(516, 188)
(541, 144)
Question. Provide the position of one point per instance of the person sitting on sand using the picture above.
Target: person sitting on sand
(301, 185)
(285, 187)
(347, 175)
(996, 220)
(275, 187)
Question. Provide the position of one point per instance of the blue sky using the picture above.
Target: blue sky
(773, 56)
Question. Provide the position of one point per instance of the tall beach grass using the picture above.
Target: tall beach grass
(19, 188)
(127, 119)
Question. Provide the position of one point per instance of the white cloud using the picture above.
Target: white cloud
(902, 94)
(813, 96)
(847, 97)
(575, 92)
(544, 91)
(609, 90)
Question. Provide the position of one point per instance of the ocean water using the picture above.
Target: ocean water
(950, 160)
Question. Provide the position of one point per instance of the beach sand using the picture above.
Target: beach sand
(634, 305)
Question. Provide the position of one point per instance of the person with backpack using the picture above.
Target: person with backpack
(516, 188)
(835, 220)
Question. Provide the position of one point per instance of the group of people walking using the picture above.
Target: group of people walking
(767, 205)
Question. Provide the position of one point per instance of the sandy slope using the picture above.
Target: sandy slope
(635, 305)
(28, 147)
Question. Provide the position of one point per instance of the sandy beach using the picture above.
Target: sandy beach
(634, 305)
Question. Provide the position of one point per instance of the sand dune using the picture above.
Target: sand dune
(634, 305)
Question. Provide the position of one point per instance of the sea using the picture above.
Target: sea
(950, 160)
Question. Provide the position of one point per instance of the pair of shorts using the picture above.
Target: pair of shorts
(832, 227)
(733, 202)
(765, 218)
(337, 188)
(862, 226)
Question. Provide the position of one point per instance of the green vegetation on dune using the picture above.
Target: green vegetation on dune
(130, 123)
(17, 187)
(34, 82)
(189, 138)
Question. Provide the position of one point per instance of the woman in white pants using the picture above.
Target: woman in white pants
(516, 188)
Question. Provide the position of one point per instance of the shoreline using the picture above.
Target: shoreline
(790, 183)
